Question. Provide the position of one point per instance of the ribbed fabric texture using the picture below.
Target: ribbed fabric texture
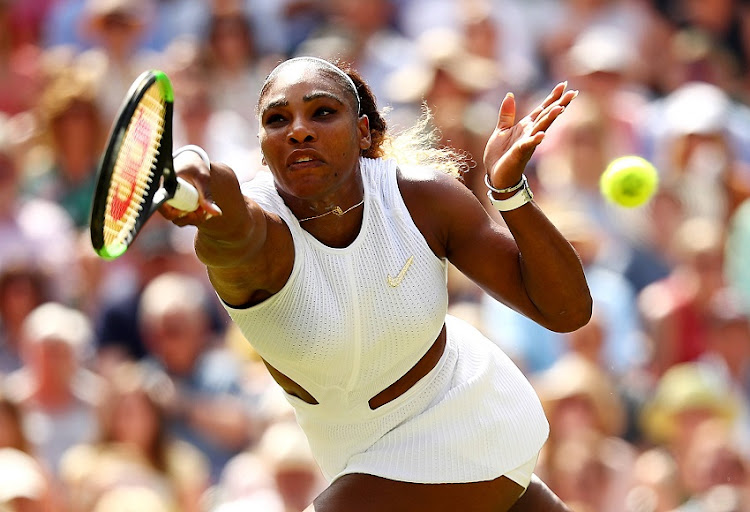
(344, 333)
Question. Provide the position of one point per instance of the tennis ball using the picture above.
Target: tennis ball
(629, 181)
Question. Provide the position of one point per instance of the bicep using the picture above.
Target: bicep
(257, 268)
(457, 227)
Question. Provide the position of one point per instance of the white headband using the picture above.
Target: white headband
(337, 70)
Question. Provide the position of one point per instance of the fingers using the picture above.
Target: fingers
(526, 147)
(556, 94)
(206, 210)
(547, 116)
(192, 173)
(507, 116)
(557, 97)
(181, 218)
(206, 202)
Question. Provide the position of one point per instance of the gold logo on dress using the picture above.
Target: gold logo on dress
(394, 282)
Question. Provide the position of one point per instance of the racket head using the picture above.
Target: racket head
(136, 173)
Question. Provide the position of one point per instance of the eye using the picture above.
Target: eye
(324, 111)
(274, 119)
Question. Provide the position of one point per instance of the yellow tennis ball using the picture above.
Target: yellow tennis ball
(629, 181)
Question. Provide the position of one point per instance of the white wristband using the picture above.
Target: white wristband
(195, 149)
(520, 198)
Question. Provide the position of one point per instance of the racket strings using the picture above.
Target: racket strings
(134, 168)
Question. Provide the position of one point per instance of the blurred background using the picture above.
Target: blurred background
(123, 386)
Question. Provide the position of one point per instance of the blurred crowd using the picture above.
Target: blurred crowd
(123, 386)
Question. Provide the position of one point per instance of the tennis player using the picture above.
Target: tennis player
(333, 265)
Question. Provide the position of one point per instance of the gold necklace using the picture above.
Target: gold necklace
(336, 211)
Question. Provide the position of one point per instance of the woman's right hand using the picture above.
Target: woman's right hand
(191, 168)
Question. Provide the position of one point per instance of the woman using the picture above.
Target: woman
(134, 448)
(333, 265)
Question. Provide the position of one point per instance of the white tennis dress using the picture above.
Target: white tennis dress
(351, 321)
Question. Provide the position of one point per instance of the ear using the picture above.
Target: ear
(365, 138)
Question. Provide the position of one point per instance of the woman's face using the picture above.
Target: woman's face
(135, 420)
(310, 135)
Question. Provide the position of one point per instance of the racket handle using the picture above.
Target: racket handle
(185, 196)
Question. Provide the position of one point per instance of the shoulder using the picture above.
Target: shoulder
(432, 198)
(421, 183)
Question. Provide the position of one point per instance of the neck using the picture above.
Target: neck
(333, 230)
(345, 197)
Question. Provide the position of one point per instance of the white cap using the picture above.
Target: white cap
(600, 49)
(137, 9)
(697, 108)
(172, 292)
(53, 321)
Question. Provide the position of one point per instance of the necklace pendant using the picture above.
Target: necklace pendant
(338, 211)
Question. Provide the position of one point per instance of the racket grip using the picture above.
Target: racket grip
(185, 196)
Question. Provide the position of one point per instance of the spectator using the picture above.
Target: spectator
(685, 398)
(656, 483)
(197, 120)
(459, 87)
(585, 459)
(208, 408)
(56, 393)
(11, 426)
(235, 66)
(363, 33)
(22, 289)
(246, 484)
(118, 336)
(287, 456)
(713, 36)
(574, 17)
(698, 152)
(675, 309)
(74, 131)
(538, 348)
(20, 77)
(29, 225)
(116, 29)
(134, 446)
(713, 462)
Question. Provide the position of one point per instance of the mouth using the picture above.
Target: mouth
(303, 160)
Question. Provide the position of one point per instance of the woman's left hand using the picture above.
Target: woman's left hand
(511, 144)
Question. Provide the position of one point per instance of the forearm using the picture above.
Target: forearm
(551, 271)
(232, 237)
(538, 497)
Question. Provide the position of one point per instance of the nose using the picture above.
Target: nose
(300, 131)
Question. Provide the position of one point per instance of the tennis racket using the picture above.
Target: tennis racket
(136, 174)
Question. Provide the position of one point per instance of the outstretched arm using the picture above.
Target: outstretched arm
(247, 251)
